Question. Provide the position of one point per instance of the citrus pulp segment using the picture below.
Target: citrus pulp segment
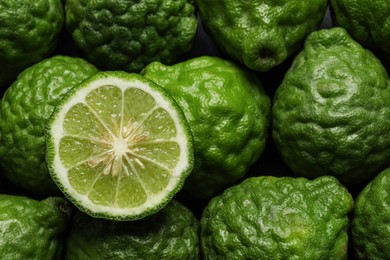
(118, 146)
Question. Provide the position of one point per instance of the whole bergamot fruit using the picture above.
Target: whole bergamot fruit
(32, 229)
(260, 34)
(127, 35)
(25, 109)
(29, 32)
(274, 218)
(331, 112)
(367, 21)
(228, 113)
(172, 233)
(371, 220)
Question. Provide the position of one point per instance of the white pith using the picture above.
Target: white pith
(118, 147)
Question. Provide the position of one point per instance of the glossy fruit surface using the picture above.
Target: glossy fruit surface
(278, 218)
(371, 220)
(330, 114)
(228, 113)
(367, 21)
(32, 229)
(127, 35)
(173, 233)
(24, 111)
(260, 34)
(28, 33)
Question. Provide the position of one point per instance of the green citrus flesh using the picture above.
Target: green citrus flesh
(118, 146)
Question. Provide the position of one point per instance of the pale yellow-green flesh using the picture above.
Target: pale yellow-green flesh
(146, 155)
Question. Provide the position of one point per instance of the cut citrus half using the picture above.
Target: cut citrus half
(118, 146)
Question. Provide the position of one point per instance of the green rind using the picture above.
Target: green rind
(261, 34)
(331, 112)
(171, 234)
(128, 35)
(25, 109)
(229, 115)
(50, 151)
(367, 21)
(32, 229)
(370, 225)
(269, 217)
(29, 32)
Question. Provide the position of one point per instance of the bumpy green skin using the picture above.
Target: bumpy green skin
(173, 233)
(261, 34)
(278, 218)
(228, 113)
(127, 35)
(32, 229)
(29, 31)
(331, 112)
(371, 221)
(24, 110)
(367, 21)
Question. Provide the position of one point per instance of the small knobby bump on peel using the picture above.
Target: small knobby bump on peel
(118, 146)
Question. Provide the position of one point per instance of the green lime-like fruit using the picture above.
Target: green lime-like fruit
(24, 111)
(171, 234)
(368, 22)
(371, 220)
(228, 113)
(32, 229)
(118, 146)
(260, 34)
(29, 32)
(127, 35)
(331, 112)
(270, 217)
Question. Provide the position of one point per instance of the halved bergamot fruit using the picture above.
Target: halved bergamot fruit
(118, 146)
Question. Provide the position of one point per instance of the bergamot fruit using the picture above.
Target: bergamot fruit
(260, 34)
(32, 229)
(371, 221)
(171, 234)
(29, 31)
(368, 22)
(118, 146)
(274, 218)
(331, 112)
(25, 109)
(127, 35)
(228, 113)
